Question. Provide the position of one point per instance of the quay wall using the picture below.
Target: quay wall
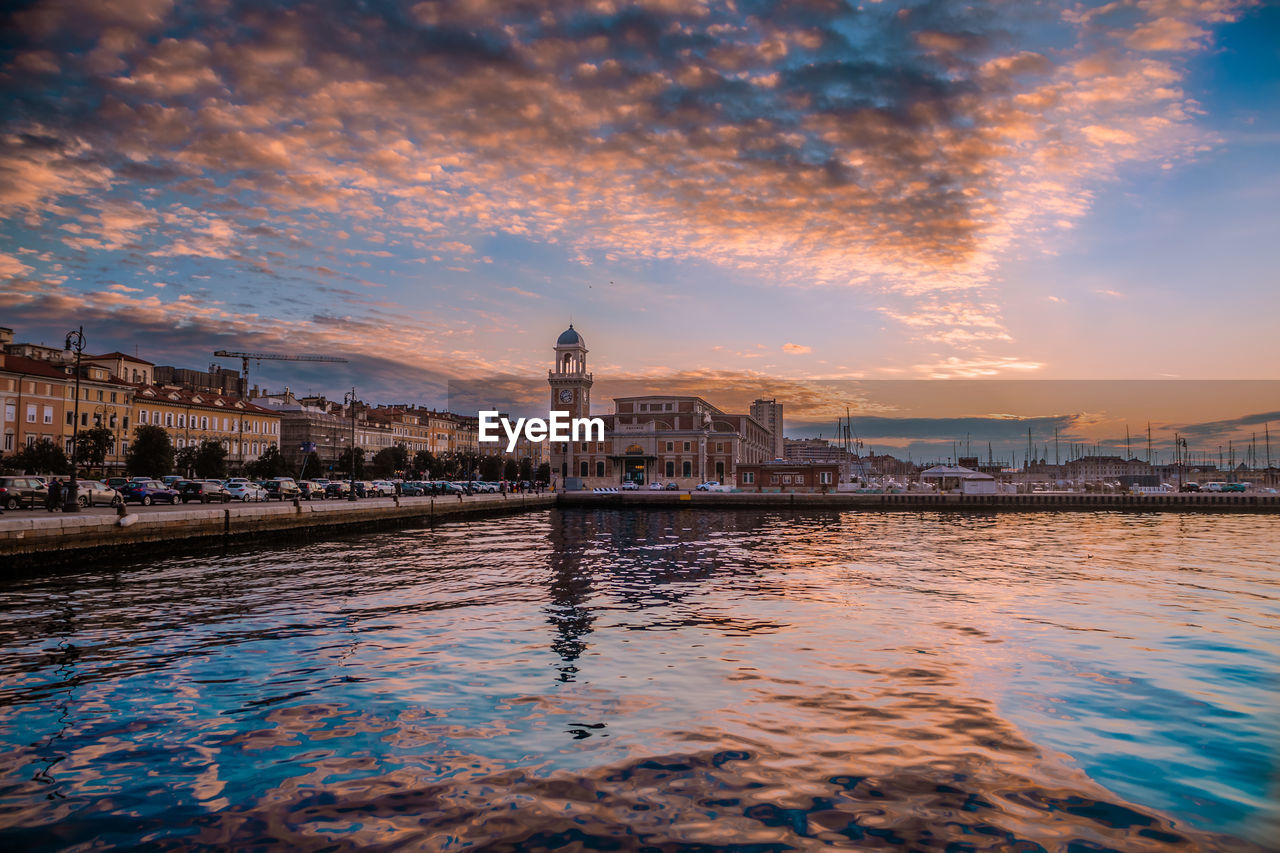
(38, 539)
(1048, 502)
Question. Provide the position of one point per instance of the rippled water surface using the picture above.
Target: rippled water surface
(696, 680)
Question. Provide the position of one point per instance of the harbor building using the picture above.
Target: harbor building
(648, 438)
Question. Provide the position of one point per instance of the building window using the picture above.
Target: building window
(8, 441)
(69, 442)
(686, 447)
(10, 412)
(84, 419)
(824, 477)
(582, 468)
(748, 477)
(671, 468)
(100, 398)
(124, 423)
(686, 469)
(786, 478)
(204, 423)
(71, 418)
(48, 414)
(168, 419)
(773, 479)
(113, 396)
(599, 469)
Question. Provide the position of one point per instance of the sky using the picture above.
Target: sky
(717, 193)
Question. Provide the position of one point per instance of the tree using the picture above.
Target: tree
(211, 460)
(526, 469)
(387, 461)
(344, 462)
(490, 468)
(544, 472)
(270, 464)
(424, 461)
(510, 469)
(95, 446)
(150, 453)
(43, 457)
(184, 460)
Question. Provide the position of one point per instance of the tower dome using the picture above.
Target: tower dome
(570, 338)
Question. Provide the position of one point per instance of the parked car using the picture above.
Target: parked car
(381, 488)
(413, 488)
(116, 483)
(96, 493)
(1190, 487)
(338, 489)
(364, 489)
(655, 486)
(672, 487)
(204, 491)
(147, 492)
(246, 491)
(707, 486)
(281, 489)
(1234, 487)
(1214, 487)
(172, 480)
(630, 486)
(18, 492)
(311, 490)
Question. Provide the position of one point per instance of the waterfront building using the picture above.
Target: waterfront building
(769, 414)
(38, 400)
(648, 438)
(780, 476)
(244, 430)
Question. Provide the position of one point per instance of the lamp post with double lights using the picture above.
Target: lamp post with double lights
(104, 415)
(74, 343)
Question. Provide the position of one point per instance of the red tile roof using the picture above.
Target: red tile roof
(181, 396)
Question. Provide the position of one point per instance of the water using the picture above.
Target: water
(669, 680)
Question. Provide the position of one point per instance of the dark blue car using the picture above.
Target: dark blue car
(147, 492)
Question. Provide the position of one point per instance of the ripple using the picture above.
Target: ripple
(659, 680)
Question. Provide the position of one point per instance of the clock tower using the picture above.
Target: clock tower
(569, 380)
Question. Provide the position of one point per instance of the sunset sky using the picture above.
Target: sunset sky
(730, 191)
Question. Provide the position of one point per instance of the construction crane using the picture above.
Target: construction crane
(270, 356)
(265, 356)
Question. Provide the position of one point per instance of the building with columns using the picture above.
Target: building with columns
(648, 438)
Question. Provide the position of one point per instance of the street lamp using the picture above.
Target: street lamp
(74, 342)
(105, 415)
(350, 399)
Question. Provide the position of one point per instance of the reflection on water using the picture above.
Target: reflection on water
(617, 680)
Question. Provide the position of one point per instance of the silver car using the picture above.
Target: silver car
(96, 493)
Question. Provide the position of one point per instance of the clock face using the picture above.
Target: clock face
(566, 395)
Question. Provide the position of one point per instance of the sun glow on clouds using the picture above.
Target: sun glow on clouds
(903, 149)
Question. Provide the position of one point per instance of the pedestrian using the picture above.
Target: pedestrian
(54, 499)
(399, 488)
